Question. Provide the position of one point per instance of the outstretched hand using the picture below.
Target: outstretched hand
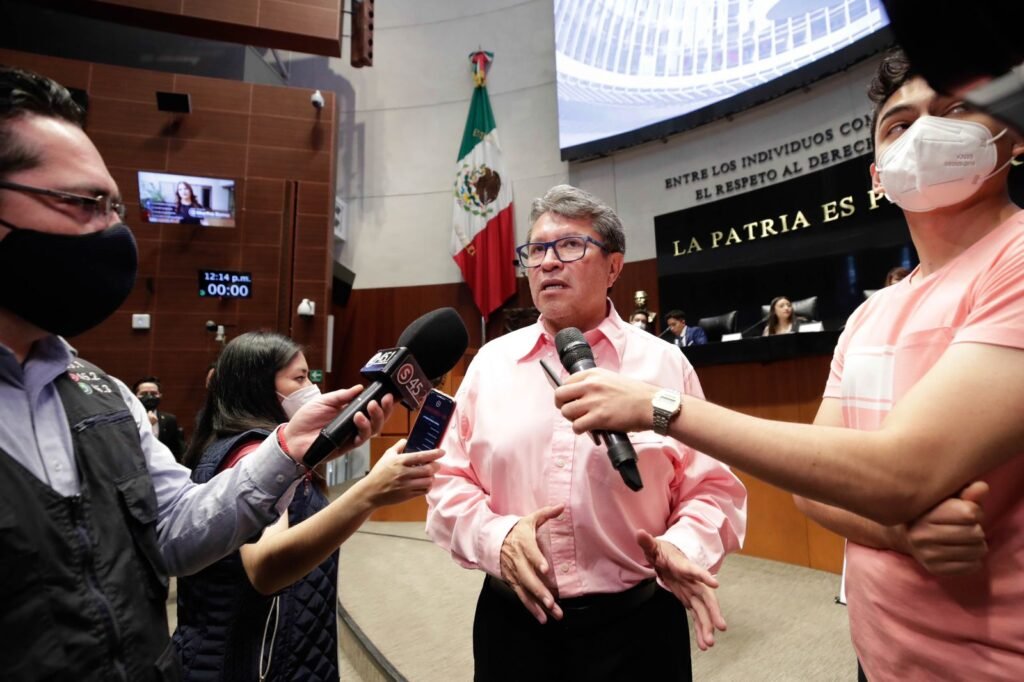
(304, 427)
(691, 584)
(399, 476)
(599, 400)
(524, 567)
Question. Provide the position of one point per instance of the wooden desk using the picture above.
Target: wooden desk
(787, 390)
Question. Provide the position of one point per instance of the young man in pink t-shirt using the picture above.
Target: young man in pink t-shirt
(917, 452)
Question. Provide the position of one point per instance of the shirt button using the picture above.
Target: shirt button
(559, 463)
(280, 478)
(565, 568)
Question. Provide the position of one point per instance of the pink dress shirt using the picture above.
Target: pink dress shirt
(510, 452)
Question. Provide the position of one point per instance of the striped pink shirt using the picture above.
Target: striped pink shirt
(510, 452)
(907, 624)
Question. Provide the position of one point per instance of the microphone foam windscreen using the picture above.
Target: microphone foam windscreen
(572, 347)
(437, 340)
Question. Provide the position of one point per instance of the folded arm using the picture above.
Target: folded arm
(961, 420)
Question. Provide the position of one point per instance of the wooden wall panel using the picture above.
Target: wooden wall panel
(130, 151)
(213, 141)
(207, 94)
(245, 13)
(121, 83)
(214, 158)
(310, 26)
(301, 164)
(261, 227)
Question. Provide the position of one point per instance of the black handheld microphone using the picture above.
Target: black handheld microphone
(427, 349)
(576, 356)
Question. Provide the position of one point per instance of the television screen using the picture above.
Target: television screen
(225, 283)
(638, 70)
(186, 199)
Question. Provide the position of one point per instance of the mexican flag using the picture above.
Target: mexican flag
(483, 231)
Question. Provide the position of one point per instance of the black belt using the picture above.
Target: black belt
(589, 608)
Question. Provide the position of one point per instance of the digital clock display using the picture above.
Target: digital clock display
(225, 284)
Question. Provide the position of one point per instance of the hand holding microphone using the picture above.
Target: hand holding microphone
(304, 427)
(599, 399)
(428, 348)
(577, 356)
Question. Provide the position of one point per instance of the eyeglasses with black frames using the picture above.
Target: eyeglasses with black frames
(100, 206)
(567, 250)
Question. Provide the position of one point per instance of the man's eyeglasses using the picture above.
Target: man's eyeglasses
(100, 205)
(567, 249)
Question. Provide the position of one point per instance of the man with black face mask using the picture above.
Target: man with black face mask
(94, 511)
(165, 424)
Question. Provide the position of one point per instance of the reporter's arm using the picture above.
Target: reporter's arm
(960, 421)
(199, 524)
(285, 554)
(708, 516)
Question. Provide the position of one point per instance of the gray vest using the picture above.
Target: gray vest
(83, 585)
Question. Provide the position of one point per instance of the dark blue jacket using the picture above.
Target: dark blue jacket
(221, 617)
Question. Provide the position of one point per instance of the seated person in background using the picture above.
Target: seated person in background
(781, 319)
(165, 425)
(639, 319)
(267, 611)
(895, 275)
(681, 334)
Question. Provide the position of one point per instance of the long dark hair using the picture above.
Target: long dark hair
(191, 193)
(242, 393)
(773, 318)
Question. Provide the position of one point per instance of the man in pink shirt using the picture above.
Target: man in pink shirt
(917, 451)
(571, 553)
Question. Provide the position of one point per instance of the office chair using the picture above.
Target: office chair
(715, 326)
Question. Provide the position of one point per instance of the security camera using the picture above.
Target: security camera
(317, 100)
(220, 333)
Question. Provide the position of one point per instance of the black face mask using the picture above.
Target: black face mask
(66, 284)
(149, 401)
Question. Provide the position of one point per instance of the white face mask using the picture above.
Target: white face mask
(296, 399)
(937, 162)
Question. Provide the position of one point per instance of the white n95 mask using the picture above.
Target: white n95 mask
(296, 399)
(938, 162)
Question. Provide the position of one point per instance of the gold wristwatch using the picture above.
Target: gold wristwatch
(667, 404)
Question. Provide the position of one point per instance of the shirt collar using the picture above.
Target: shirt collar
(49, 357)
(612, 328)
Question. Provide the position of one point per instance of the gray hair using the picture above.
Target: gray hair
(572, 202)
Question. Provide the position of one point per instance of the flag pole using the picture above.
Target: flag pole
(483, 330)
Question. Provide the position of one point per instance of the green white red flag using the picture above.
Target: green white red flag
(483, 229)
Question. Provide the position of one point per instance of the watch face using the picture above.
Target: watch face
(669, 402)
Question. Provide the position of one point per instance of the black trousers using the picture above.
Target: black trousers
(594, 641)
